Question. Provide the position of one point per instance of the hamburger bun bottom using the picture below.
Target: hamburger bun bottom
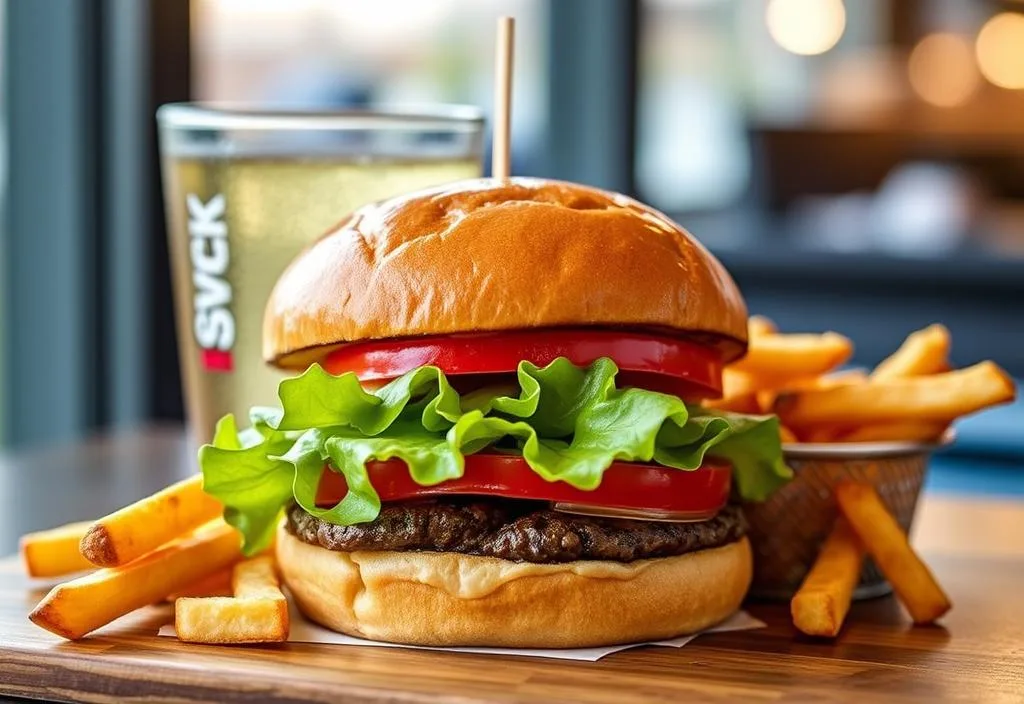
(453, 599)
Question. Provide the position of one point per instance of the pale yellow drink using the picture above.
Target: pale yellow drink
(235, 224)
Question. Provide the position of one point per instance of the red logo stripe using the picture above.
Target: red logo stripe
(217, 360)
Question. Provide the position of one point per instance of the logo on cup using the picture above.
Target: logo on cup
(214, 323)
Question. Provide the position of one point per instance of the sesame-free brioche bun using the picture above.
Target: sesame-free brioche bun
(452, 599)
(486, 255)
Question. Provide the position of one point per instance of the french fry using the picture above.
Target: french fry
(787, 435)
(846, 377)
(744, 392)
(736, 384)
(939, 397)
(772, 388)
(792, 356)
(745, 403)
(766, 401)
(78, 607)
(909, 431)
(887, 544)
(54, 552)
(821, 433)
(923, 352)
(820, 606)
(216, 584)
(258, 612)
(147, 524)
(224, 619)
(758, 325)
(256, 578)
(738, 393)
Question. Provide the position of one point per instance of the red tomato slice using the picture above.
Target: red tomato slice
(679, 367)
(686, 495)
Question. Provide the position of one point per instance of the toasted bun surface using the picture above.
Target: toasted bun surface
(486, 255)
(445, 598)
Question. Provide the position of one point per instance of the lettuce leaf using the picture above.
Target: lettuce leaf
(569, 423)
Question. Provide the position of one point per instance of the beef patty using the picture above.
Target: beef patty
(516, 530)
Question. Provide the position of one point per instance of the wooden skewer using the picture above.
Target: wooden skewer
(501, 166)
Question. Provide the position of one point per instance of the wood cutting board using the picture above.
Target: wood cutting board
(978, 656)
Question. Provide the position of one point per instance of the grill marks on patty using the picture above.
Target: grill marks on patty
(519, 531)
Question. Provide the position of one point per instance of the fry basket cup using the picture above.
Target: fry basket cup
(788, 529)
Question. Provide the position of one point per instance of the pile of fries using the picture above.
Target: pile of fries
(170, 546)
(863, 526)
(913, 395)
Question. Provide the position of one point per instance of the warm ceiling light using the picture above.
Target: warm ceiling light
(942, 71)
(1000, 50)
(806, 27)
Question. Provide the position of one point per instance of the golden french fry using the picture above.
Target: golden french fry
(736, 384)
(887, 544)
(758, 325)
(225, 619)
(258, 612)
(216, 584)
(846, 377)
(923, 352)
(939, 397)
(766, 401)
(791, 356)
(746, 393)
(80, 606)
(147, 524)
(821, 604)
(821, 433)
(787, 435)
(256, 578)
(922, 431)
(745, 403)
(51, 553)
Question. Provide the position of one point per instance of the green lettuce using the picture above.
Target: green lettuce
(569, 423)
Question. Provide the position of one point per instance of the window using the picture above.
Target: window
(337, 54)
(842, 126)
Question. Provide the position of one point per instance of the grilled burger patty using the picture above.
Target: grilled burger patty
(516, 530)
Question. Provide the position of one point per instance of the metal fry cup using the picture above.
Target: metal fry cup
(788, 529)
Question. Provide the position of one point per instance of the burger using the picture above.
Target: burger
(493, 435)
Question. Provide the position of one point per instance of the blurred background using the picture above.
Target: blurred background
(858, 165)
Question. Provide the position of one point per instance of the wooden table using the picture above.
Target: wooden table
(977, 656)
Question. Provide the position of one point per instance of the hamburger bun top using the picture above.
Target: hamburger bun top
(487, 255)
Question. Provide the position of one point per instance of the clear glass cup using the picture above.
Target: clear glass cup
(246, 191)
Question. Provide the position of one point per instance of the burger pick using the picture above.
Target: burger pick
(494, 436)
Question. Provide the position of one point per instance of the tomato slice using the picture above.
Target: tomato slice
(659, 363)
(642, 488)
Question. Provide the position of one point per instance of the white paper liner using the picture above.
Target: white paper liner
(305, 631)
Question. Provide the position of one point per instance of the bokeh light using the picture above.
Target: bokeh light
(806, 27)
(1000, 50)
(942, 71)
